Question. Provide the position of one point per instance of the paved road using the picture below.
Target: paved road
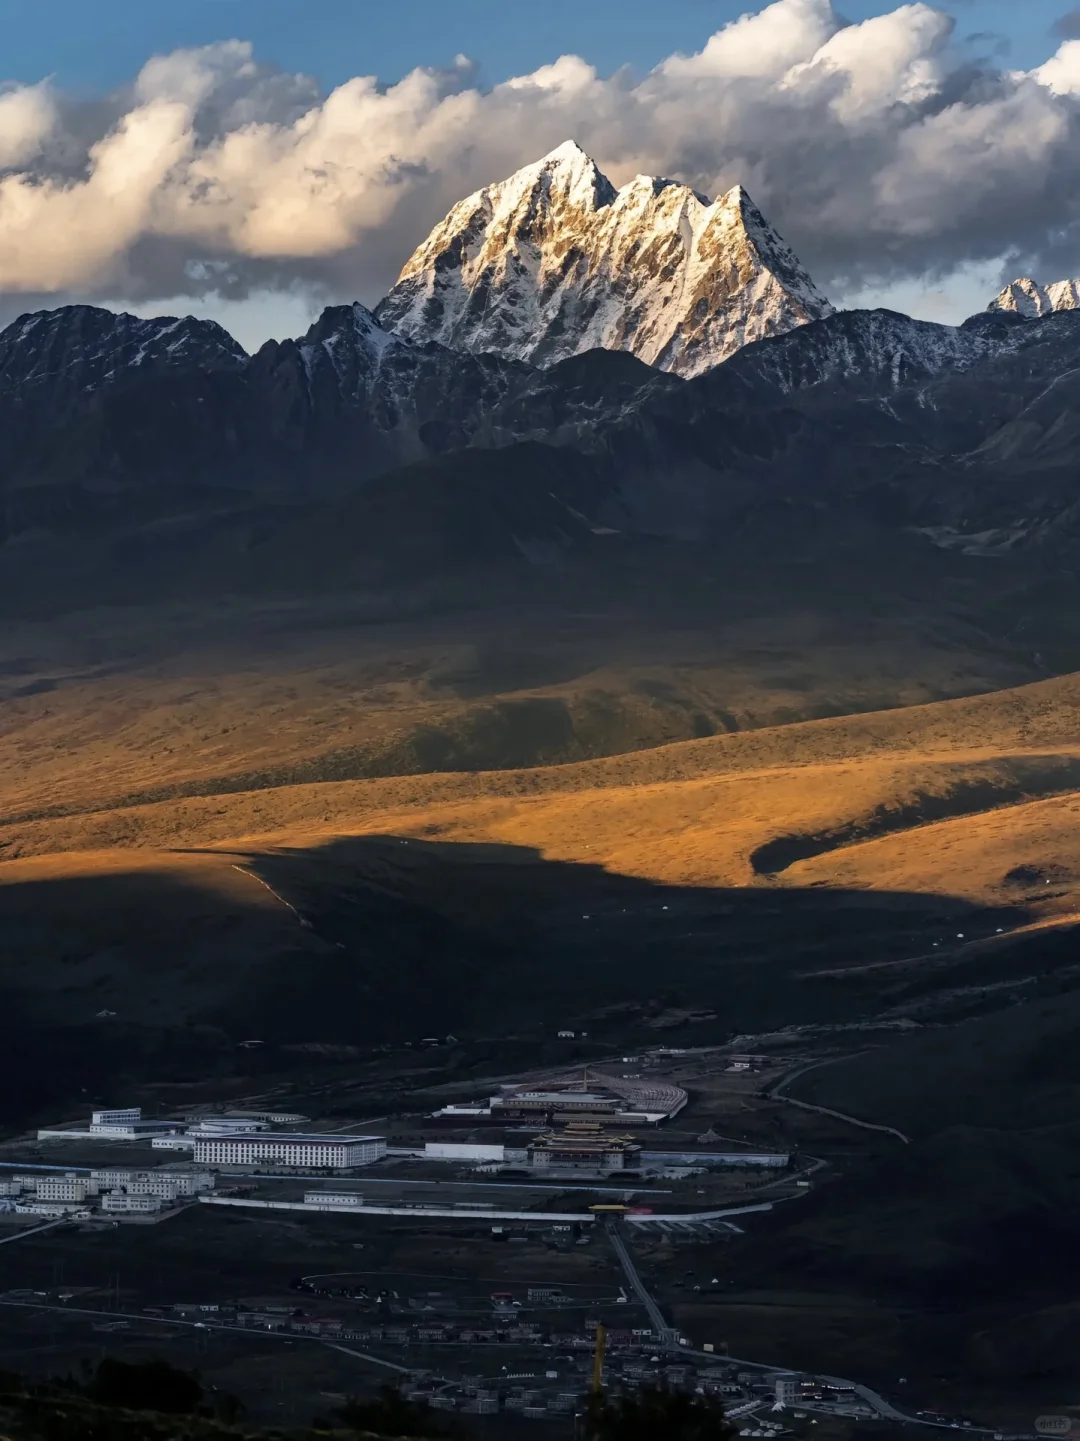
(776, 1093)
(35, 1231)
(668, 1337)
(697, 1218)
(364, 1356)
(873, 1399)
(199, 1326)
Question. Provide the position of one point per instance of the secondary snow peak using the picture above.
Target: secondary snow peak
(1026, 297)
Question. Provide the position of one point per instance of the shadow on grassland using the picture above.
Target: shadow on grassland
(143, 966)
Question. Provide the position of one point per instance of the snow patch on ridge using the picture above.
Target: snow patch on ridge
(88, 347)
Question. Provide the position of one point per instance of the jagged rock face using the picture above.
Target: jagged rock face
(1027, 298)
(59, 369)
(867, 350)
(856, 422)
(82, 347)
(556, 261)
(865, 416)
(355, 399)
(159, 411)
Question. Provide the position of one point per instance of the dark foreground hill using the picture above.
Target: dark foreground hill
(958, 1240)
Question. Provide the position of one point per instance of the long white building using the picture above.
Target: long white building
(333, 1200)
(455, 1151)
(227, 1126)
(305, 1152)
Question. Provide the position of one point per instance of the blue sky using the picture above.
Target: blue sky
(92, 47)
(89, 45)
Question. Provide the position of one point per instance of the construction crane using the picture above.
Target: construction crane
(598, 1361)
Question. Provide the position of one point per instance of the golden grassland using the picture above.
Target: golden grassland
(943, 797)
(98, 710)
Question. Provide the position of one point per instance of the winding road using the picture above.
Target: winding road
(776, 1093)
(669, 1338)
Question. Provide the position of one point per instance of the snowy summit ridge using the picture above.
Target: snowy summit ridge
(1027, 298)
(555, 261)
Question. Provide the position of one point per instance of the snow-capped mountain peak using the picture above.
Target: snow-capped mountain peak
(554, 261)
(1027, 298)
(567, 171)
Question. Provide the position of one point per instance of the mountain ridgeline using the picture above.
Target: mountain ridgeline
(562, 368)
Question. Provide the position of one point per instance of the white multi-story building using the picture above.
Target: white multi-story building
(135, 1130)
(26, 1181)
(125, 1125)
(190, 1183)
(171, 1185)
(163, 1186)
(123, 1203)
(786, 1390)
(62, 1188)
(111, 1179)
(126, 1117)
(298, 1151)
(237, 1118)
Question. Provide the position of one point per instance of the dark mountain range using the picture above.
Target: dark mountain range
(114, 416)
(861, 425)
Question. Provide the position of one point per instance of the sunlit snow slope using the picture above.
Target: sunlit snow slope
(555, 261)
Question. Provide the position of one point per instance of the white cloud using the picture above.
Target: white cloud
(765, 45)
(887, 60)
(55, 235)
(27, 117)
(190, 76)
(876, 148)
(969, 162)
(1061, 73)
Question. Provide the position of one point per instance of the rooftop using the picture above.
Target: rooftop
(557, 1098)
(276, 1137)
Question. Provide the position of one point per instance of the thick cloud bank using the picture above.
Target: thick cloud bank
(882, 150)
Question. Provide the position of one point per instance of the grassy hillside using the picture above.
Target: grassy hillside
(109, 707)
(834, 802)
(804, 872)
